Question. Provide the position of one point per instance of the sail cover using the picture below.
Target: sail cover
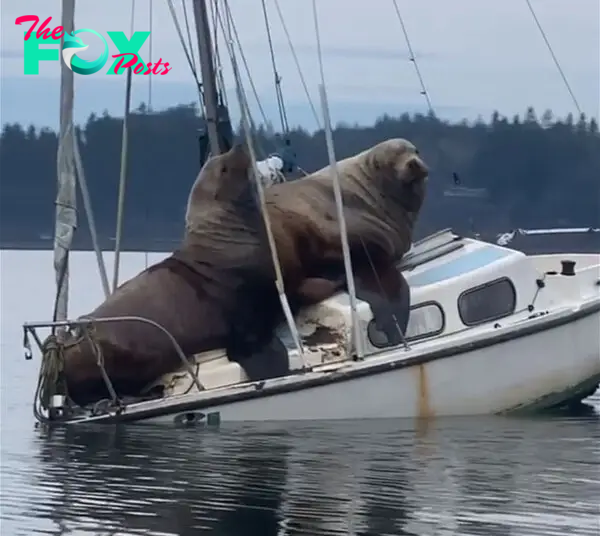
(66, 214)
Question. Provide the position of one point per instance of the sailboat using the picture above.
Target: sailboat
(490, 329)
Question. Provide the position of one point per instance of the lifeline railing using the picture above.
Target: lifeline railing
(32, 327)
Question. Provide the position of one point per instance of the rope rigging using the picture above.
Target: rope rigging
(554, 58)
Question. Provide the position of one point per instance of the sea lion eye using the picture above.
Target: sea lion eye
(224, 169)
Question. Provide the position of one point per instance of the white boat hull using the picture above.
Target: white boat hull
(532, 371)
(541, 349)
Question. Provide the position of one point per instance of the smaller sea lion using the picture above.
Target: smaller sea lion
(205, 294)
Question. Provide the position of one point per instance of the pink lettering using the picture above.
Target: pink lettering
(28, 18)
(158, 64)
(129, 64)
(43, 31)
(58, 32)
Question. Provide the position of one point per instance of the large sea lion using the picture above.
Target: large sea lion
(383, 189)
(205, 294)
(217, 290)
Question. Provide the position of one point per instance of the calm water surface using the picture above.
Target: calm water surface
(467, 476)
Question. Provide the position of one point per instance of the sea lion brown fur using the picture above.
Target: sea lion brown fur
(204, 294)
(383, 189)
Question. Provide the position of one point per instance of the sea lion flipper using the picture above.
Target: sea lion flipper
(388, 295)
(270, 361)
(251, 326)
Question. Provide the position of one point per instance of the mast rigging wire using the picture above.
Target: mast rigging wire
(318, 35)
(413, 58)
(455, 176)
(339, 202)
(123, 172)
(189, 34)
(190, 60)
(243, 103)
(278, 91)
(234, 36)
(231, 36)
(556, 62)
(151, 25)
(218, 67)
(87, 204)
(295, 56)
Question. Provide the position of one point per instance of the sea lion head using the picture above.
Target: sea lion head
(400, 173)
(224, 177)
(223, 186)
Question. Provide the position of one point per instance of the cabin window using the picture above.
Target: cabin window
(425, 320)
(487, 302)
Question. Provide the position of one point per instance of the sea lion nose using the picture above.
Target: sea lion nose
(418, 168)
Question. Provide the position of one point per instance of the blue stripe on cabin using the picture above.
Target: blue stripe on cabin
(462, 265)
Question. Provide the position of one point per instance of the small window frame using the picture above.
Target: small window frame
(478, 288)
(414, 338)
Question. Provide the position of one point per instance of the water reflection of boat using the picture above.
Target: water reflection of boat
(480, 476)
(152, 483)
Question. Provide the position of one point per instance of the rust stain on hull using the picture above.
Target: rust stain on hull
(424, 411)
(423, 402)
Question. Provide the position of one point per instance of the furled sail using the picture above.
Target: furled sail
(66, 213)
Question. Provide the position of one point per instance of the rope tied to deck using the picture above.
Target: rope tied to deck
(51, 378)
(88, 333)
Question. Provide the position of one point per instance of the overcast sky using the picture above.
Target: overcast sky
(475, 56)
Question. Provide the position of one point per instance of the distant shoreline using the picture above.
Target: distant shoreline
(580, 243)
(106, 246)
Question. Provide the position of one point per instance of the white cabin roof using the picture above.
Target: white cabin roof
(440, 270)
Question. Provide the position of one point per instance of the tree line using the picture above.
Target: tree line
(486, 176)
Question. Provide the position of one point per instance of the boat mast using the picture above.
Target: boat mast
(66, 213)
(209, 85)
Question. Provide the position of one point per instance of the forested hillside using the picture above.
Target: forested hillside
(485, 176)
